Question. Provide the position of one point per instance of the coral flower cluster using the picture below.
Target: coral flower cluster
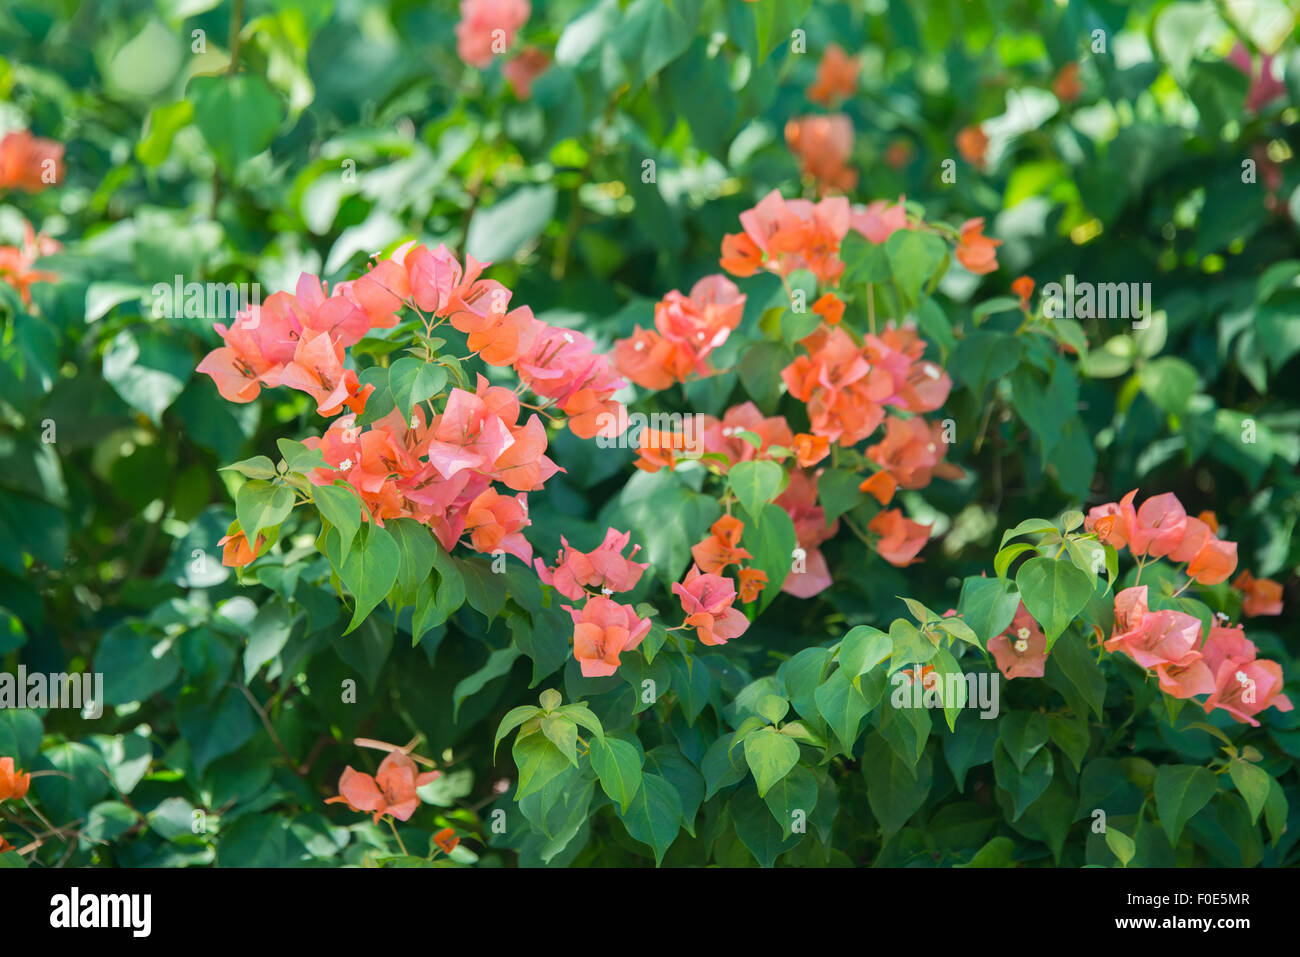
(487, 28)
(13, 782)
(29, 163)
(1161, 528)
(848, 385)
(837, 76)
(1021, 650)
(1225, 667)
(18, 263)
(783, 235)
(686, 330)
(438, 467)
(602, 628)
(390, 791)
(721, 549)
(298, 339)
(709, 603)
(440, 470)
(822, 145)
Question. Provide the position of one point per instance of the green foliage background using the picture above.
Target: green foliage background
(223, 696)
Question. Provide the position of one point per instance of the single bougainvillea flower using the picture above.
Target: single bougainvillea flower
(605, 568)
(446, 840)
(822, 145)
(972, 144)
(494, 520)
(235, 550)
(785, 235)
(707, 601)
(1113, 522)
(1214, 563)
(30, 163)
(1156, 640)
(602, 630)
(487, 28)
(837, 76)
(391, 791)
(881, 486)
(1021, 650)
(1066, 84)
(1024, 288)
(1245, 688)
(740, 255)
(898, 153)
(17, 262)
(878, 220)
(1264, 86)
(1185, 680)
(317, 369)
(1225, 644)
(562, 365)
(1260, 596)
(522, 70)
(900, 538)
(810, 449)
(752, 581)
(830, 307)
(5, 845)
(1161, 525)
(842, 389)
(911, 452)
(975, 251)
(658, 449)
(732, 435)
(13, 783)
(1210, 519)
(722, 547)
(810, 574)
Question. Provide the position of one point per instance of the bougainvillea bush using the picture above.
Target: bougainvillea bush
(639, 433)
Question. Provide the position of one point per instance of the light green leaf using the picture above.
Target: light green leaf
(259, 505)
(339, 506)
(412, 380)
(1054, 592)
(369, 571)
(617, 764)
(770, 755)
(756, 483)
